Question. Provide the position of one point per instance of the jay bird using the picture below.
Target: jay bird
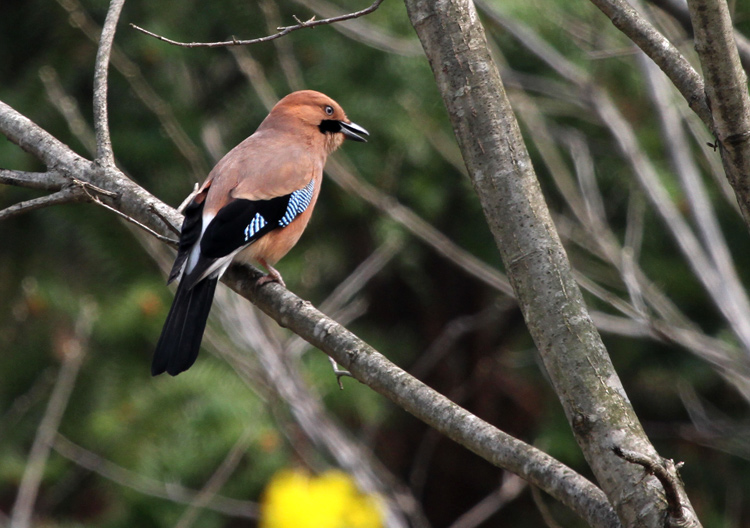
(252, 208)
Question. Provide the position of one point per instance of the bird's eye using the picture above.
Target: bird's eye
(329, 110)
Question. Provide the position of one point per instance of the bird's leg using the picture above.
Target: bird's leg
(273, 275)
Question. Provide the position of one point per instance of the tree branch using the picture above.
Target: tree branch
(679, 10)
(74, 352)
(47, 181)
(537, 266)
(283, 31)
(172, 492)
(81, 19)
(66, 195)
(726, 91)
(374, 370)
(365, 363)
(641, 32)
(665, 471)
(104, 154)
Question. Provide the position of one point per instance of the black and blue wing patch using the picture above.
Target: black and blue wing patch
(241, 222)
(298, 202)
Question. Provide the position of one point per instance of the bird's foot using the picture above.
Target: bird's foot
(273, 275)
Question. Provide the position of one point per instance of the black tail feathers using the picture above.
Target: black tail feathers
(183, 330)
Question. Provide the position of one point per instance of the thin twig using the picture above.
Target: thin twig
(666, 472)
(104, 155)
(88, 186)
(217, 480)
(509, 490)
(148, 486)
(130, 70)
(282, 31)
(172, 242)
(549, 520)
(68, 108)
(365, 32)
(73, 355)
(63, 196)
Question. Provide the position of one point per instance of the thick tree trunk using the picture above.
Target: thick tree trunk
(572, 351)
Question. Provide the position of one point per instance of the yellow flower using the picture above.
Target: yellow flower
(294, 499)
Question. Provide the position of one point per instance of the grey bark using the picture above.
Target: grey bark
(726, 92)
(572, 351)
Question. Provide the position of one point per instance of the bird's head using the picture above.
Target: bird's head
(319, 114)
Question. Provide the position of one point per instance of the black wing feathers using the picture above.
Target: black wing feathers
(189, 235)
(241, 222)
(183, 330)
(237, 224)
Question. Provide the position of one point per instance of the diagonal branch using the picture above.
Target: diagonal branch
(666, 472)
(282, 31)
(659, 49)
(148, 486)
(65, 195)
(678, 9)
(74, 353)
(81, 19)
(374, 370)
(726, 91)
(364, 362)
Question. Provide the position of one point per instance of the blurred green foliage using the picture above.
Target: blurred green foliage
(178, 430)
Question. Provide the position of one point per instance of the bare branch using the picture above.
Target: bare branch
(172, 492)
(282, 31)
(104, 154)
(373, 369)
(66, 195)
(726, 91)
(680, 515)
(47, 181)
(659, 49)
(364, 32)
(68, 108)
(509, 490)
(74, 351)
(132, 73)
(679, 10)
(218, 479)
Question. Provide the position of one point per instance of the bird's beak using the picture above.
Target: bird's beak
(352, 131)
